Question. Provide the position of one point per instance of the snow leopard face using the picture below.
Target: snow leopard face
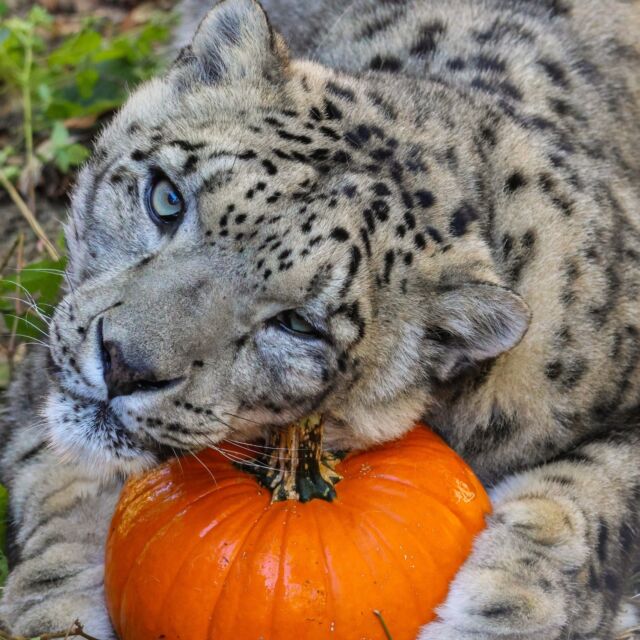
(254, 240)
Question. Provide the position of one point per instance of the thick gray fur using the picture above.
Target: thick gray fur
(449, 193)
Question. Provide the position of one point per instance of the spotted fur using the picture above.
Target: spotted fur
(448, 192)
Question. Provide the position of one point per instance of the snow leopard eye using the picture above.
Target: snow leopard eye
(293, 322)
(164, 201)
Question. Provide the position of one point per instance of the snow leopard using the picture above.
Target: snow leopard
(385, 212)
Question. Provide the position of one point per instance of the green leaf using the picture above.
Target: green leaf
(63, 151)
(59, 135)
(4, 36)
(86, 74)
(86, 81)
(28, 326)
(5, 153)
(61, 109)
(43, 93)
(18, 26)
(61, 243)
(39, 16)
(41, 279)
(77, 153)
(11, 173)
(71, 51)
(71, 156)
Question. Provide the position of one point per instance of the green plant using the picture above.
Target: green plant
(27, 298)
(84, 75)
(54, 85)
(56, 89)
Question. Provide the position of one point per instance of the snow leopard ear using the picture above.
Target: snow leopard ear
(236, 41)
(471, 323)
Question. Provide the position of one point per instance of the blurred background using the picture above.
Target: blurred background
(65, 67)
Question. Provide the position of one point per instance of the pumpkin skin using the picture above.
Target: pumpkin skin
(192, 559)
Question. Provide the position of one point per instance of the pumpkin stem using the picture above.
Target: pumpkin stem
(296, 467)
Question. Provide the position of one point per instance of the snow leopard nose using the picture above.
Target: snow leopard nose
(122, 377)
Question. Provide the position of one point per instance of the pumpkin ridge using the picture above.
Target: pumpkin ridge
(152, 539)
(391, 554)
(425, 551)
(157, 479)
(337, 524)
(149, 487)
(449, 507)
(199, 541)
(435, 506)
(357, 520)
(428, 449)
(330, 608)
(260, 520)
(279, 583)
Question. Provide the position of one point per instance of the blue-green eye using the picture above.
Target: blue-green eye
(165, 202)
(295, 323)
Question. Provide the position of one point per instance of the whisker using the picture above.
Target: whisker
(261, 447)
(30, 298)
(15, 283)
(258, 446)
(205, 467)
(30, 306)
(28, 339)
(175, 453)
(243, 445)
(233, 415)
(251, 444)
(57, 272)
(217, 419)
(31, 324)
(69, 283)
(229, 455)
(203, 440)
(64, 308)
(234, 456)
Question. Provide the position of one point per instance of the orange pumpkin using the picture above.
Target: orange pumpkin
(198, 551)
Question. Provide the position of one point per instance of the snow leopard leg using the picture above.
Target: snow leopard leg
(557, 554)
(59, 517)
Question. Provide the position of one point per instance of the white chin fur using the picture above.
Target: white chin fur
(75, 438)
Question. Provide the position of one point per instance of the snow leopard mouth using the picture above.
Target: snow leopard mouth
(104, 420)
(107, 422)
(91, 433)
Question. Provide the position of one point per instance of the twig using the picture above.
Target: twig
(28, 215)
(7, 257)
(76, 630)
(387, 633)
(28, 121)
